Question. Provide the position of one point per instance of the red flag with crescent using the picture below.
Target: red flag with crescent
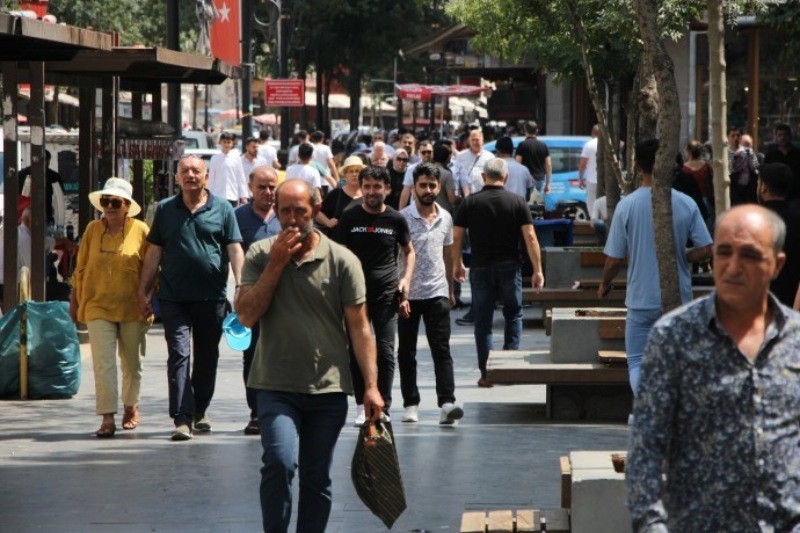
(226, 33)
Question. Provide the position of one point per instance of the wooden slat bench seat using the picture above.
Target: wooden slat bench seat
(516, 367)
(612, 357)
(522, 520)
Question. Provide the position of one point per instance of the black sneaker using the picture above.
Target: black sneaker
(465, 320)
(252, 427)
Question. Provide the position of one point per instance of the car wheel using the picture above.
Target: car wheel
(581, 213)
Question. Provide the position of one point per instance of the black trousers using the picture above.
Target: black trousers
(248, 362)
(436, 314)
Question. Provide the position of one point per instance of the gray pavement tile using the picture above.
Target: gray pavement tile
(56, 476)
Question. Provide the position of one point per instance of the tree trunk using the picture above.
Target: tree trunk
(669, 122)
(354, 91)
(611, 188)
(630, 138)
(719, 105)
(591, 85)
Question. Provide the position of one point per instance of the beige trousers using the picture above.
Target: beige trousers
(103, 338)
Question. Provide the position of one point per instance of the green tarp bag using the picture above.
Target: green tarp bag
(54, 354)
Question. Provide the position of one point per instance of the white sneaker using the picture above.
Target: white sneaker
(450, 413)
(411, 414)
(361, 416)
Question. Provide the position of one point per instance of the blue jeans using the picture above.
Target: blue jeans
(298, 431)
(501, 281)
(538, 184)
(638, 324)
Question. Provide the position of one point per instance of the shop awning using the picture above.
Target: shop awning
(423, 93)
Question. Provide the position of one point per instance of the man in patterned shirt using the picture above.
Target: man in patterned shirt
(718, 408)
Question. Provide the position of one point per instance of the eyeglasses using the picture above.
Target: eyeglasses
(113, 201)
(401, 159)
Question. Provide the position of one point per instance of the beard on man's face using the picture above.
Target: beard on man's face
(305, 231)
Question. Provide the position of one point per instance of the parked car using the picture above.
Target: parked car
(565, 154)
(197, 140)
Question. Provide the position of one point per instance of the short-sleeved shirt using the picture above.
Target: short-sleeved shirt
(493, 217)
(322, 152)
(269, 153)
(194, 263)
(375, 240)
(469, 168)
(302, 345)
(632, 236)
(589, 151)
(519, 178)
(307, 173)
(248, 166)
(250, 222)
(533, 153)
(430, 277)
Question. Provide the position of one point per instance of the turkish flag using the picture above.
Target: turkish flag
(226, 33)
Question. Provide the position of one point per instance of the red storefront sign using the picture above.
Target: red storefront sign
(285, 93)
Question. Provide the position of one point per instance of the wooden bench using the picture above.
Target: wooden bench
(502, 521)
(612, 357)
(518, 367)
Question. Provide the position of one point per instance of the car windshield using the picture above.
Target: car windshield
(565, 159)
(190, 143)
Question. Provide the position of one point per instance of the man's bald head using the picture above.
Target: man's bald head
(754, 218)
(296, 190)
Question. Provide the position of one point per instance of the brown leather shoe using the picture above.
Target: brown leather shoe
(485, 383)
(130, 420)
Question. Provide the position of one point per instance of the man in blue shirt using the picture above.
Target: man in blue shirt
(257, 220)
(632, 237)
(193, 238)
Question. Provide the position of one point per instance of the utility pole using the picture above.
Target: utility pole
(283, 38)
(247, 69)
(173, 89)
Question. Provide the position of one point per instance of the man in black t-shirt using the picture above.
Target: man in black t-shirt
(373, 231)
(496, 219)
(534, 154)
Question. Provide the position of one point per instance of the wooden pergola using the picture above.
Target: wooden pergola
(35, 53)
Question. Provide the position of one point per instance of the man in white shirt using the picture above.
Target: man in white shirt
(226, 174)
(599, 215)
(266, 151)
(302, 137)
(587, 169)
(303, 170)
(470, 164)
(251, 158)
(323, 154)
(520, 181)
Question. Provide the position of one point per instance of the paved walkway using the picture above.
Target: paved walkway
(56, 476)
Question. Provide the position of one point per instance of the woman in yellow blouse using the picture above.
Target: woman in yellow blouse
(105, 282)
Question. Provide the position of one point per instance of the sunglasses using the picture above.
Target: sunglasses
(426, 152)
(402, 159)
(114, 202)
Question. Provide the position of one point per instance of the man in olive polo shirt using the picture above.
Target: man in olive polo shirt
(302, 287)
(193, 238)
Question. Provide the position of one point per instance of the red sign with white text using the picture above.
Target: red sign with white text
(285, 93)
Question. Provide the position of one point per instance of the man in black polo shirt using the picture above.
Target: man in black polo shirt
(193, 238)
(534, 154)
(496, 219)
(373, 231)
(774, 181)
(784, 151)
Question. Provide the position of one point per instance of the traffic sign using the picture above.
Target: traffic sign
(285, 93)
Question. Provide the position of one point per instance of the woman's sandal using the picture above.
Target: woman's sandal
(130, 420)
(106, 431)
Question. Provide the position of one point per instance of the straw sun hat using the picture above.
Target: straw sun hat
(116, 187)
(353, 161)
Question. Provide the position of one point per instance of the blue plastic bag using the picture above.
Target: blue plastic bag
(54, 355)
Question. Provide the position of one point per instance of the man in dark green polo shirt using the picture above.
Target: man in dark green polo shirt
(193, 238)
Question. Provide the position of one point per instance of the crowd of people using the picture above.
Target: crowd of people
(336, 262)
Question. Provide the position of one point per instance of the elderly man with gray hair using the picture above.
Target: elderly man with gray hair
(496, 219)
